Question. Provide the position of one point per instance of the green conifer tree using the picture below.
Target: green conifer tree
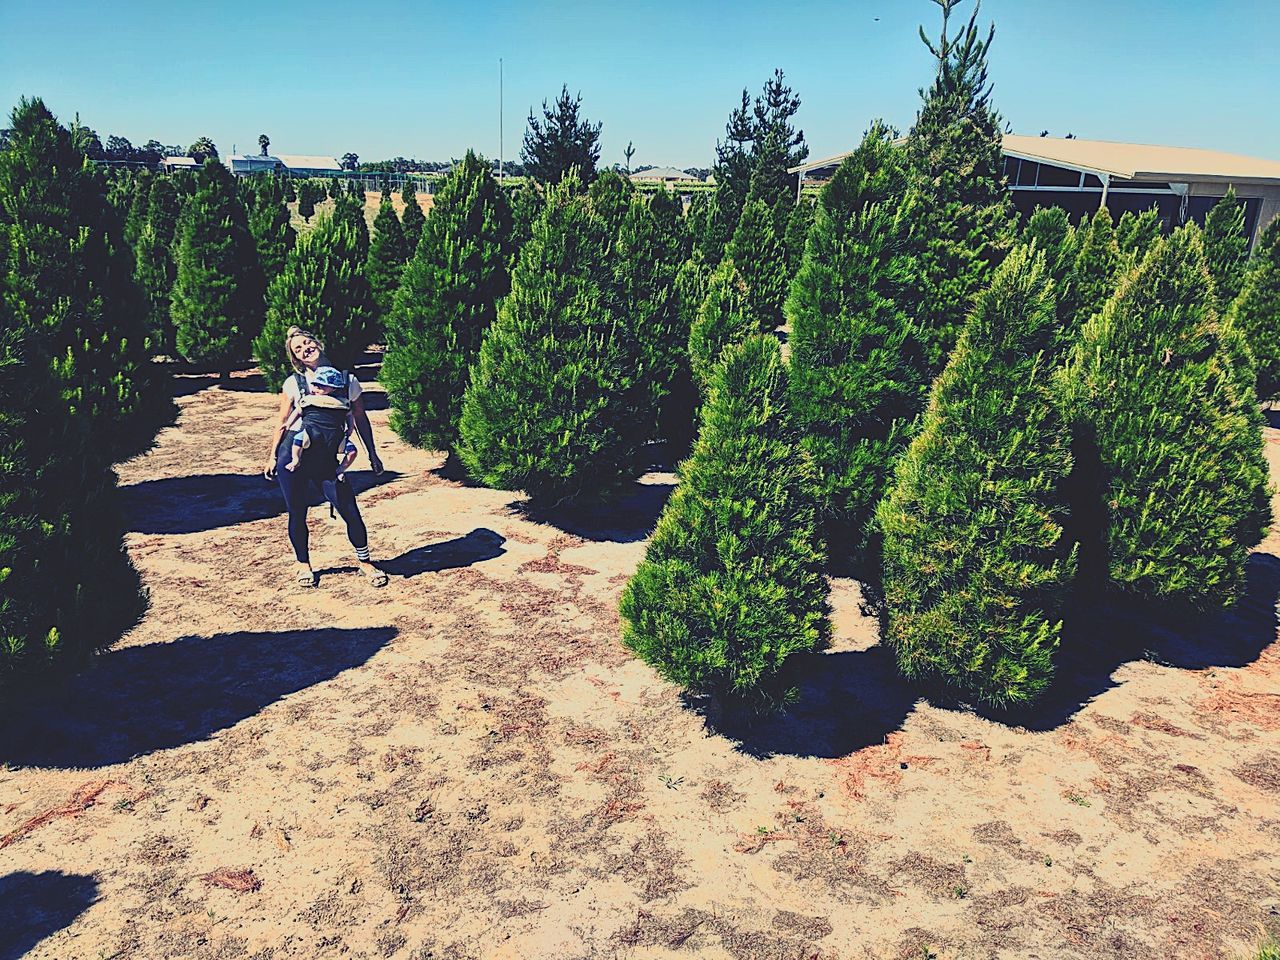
(966, 217)
(1050, 229)
(677, 418)
(217, 298)
(413, 218)
(1165, 408)
(322, 288)
(448, 298)
(1093, 275)
(1136, 234)
(355, 188)
(732, 585)
(798, 223)
(290, 191)
(388, 254)
(668, 214)
(725, 317)
(155, 266)
(1226, 248)
(273, 235)
(526, 206)
(349, 209)
(139, 200)
(758, 253)
(1256, 312)
(858, 377)
(555, 405)
(976, 564)
(306, 200)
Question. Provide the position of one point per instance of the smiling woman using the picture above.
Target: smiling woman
(307, 412)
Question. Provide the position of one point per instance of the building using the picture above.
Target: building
(303, 166)
(170, 164)
(1080, 175)
(254, 163)
(662, 175)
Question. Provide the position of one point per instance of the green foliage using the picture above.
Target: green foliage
(290, 191)
(268, 220)
(388, 253)
(1093, 275)
(560, 142)
(1226, 248)
(611, 194)
(1049, 228)
(1256, 312)
(1138, 234)
(307, 200)
(139, 198)
(559, 401)
(731, 585)
(349, 209)
(322, 289)
(761, 259)
(155, 266)
(1164, 402)
(976, 566)
(857, 371)
(725, 317)
(965, 215)
(217, 299)
(67, 272)
(668, 215)
(798, 223)
(413, 218)
(526, 205)
(448, 297)
(677, 418)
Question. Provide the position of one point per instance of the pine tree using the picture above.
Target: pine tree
(1050, 229)
(1138, 234)
(668, 214)
(1166, 410)
(1256, 312)
(217, 298)
(349, 209)
(965, 216)
(139, 200)
(732, 585)
(306, 200)
(388, 254)
(976, 564)
(677, 418)
(858, 377)
(757, 251)
(798, 223)
(155, 266)
(555, 405)
(322, 288)
(725, 317)
(68, 271)
(413, 218)
(526, 205)
(356, 189)
(268, 219)
(290, 191)
(611, 194)
(447, 300)
(560, 142)
(1093, 275)
(1226, 248)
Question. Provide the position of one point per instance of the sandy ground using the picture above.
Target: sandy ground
(372, 202)
(467, 764)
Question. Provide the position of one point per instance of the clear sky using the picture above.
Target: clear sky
(421, 79)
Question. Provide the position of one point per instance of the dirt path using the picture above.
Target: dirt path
(468, 765)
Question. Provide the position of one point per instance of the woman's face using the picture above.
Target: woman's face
(306, 350)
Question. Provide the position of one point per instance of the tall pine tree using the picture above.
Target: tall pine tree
(1256, 312)
(156, 267)
(1093, 275)
(273, 236)
(1050, 229)
(726, 316)
(413, 218)
(448, 297)
(1226, 248)
(1137, 233)
(561, 142)
(758, 253)
(387, 256)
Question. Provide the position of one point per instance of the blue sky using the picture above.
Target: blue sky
(422, 79)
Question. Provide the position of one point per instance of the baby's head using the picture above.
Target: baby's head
(327, 380)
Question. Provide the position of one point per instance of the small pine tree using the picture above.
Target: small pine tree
(1138, 234)
(1226, 248)
(273, 236)
(526, 205)
(1049, 228)
(798, 223)
(139, 199)
(349, 209)
(858, 376)
(677, 418)
(306, 200)
(1093, 275)
(217, 298)
(668, 214)
(388, 254)
(560, 142)
(322, 288)
(732, 585)
(290, 191)
(155, 267)
(356, 189)
(413, 218)
(556, 404)
(1156, 386)
(448, 297)
(757, 251)
(725, 317)
(976, 566)
(1256, 312)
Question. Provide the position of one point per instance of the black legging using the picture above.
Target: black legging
(296, 487)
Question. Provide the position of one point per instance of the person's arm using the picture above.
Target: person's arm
(286, 418)
(365, 429)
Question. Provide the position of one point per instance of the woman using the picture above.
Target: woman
(306, 355)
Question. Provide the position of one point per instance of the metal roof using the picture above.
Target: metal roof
(180, 161)
(298, 162)
(662, 173)
(1127, 161)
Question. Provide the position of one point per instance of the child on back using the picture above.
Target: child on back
(327, 382)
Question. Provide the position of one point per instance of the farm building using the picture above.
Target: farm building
(662, 175)
(1081, 175)
(179, 163)
(242, 165)
(304, 166)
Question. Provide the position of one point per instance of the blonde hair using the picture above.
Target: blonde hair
(296, 331)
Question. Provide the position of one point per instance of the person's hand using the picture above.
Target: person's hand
(269, 469)
(376, 464)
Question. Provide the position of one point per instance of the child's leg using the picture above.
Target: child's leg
(300, 443)
(348, 458)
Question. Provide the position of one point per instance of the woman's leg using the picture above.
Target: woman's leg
(294, 487)
(344, 499)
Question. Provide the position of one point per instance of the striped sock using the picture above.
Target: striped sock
(362, 554)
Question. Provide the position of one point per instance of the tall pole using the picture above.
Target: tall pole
(499, 121)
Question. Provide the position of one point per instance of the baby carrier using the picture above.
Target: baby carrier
(325, 420)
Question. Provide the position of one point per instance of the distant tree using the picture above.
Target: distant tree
(388, 254)
(264, 143)
(629, 153)
(1226, 248)
(561, 141)
(119, 148)
(322, 288)
(526, 205)
(217, 299)
(269, 225)
(796, 232)
(290, 191)
(349, 208)
(413, 217)
(156, 267)
(306, 200)
(139, 198)
(202, 150)
(732, 583)
(350, 161)
(86, 140)
(1256, 312)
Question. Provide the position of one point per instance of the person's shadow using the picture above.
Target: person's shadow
(35, 905)
(477, 546)
(140, 699)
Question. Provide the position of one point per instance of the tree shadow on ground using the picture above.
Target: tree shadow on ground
(141, 699)
(210, 500)
(629, 517)
(848, 700)
(1103, 640)
(477, 546)
(1273, 417)
(34, 906)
